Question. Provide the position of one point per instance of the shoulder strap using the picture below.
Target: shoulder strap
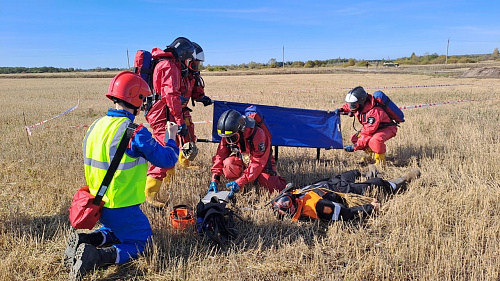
(114, 163)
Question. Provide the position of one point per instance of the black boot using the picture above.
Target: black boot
(74, 240)
(88, 258)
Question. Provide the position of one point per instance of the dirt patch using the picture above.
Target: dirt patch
(482, 72)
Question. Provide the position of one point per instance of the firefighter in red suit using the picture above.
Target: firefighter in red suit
(169, 76)
(241, 136)
(377, 125)
(194, 85)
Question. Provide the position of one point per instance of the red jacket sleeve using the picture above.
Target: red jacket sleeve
(259, 153)
(167, 83)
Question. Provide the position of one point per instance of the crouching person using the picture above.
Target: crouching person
(377, 125)
(242, 138)
(326, 199)
(125, 229)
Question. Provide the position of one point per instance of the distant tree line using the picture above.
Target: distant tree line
(50, 69)
(344, 62)
(273, 63)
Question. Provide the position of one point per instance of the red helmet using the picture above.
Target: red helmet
(128, 87)
(232, 167)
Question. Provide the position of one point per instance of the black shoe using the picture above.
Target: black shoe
(88, 258)
(74, 240)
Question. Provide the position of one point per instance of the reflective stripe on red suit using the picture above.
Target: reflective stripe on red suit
(374, 132)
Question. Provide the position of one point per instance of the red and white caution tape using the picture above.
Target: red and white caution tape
(433, 104)
(28, 128)
(369, 88)
(414, 86)
(194, 122)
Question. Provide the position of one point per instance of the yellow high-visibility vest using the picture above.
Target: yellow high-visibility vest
(99, 146)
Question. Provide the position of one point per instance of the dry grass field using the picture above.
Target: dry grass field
(444, 227)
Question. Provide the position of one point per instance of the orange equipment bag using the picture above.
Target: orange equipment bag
(182, 217)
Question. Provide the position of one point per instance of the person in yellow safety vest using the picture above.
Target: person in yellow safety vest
(125, 228)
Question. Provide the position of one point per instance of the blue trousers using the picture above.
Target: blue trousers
(131, 226)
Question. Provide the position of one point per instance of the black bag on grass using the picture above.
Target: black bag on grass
(214, 220)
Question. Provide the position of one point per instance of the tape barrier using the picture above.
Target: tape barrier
(28, 128)
(194, 122)
(432, 104)
(368, 88)
(443, 103)
(412, 86)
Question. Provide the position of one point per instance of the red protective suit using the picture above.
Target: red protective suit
(167, 82)
(193, 90)
(259, 152)
(377, 127)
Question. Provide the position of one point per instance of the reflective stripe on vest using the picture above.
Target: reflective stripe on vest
(99, 147)
(336, 212)
(104, 165)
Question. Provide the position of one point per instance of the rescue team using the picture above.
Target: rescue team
(243, 156)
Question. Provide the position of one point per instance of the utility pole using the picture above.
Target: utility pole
(447, 46)
(283, 57)
(128, 60)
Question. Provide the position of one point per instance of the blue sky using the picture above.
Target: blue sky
(89, 34)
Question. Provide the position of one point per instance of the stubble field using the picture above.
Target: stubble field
(444, 227)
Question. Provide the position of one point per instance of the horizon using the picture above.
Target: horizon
(213, 65)
(89, 35)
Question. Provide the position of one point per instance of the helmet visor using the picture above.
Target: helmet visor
(285, 205)
(353, 106)
(230, 136)
(233, 139)
(194, 66)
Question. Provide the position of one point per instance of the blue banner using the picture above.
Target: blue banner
(290, 126)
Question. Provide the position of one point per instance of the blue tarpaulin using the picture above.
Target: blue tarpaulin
(290, 126)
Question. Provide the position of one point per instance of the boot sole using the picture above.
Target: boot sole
(79, 269)
(70, 251)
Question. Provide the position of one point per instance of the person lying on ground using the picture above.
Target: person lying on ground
(327, 199)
